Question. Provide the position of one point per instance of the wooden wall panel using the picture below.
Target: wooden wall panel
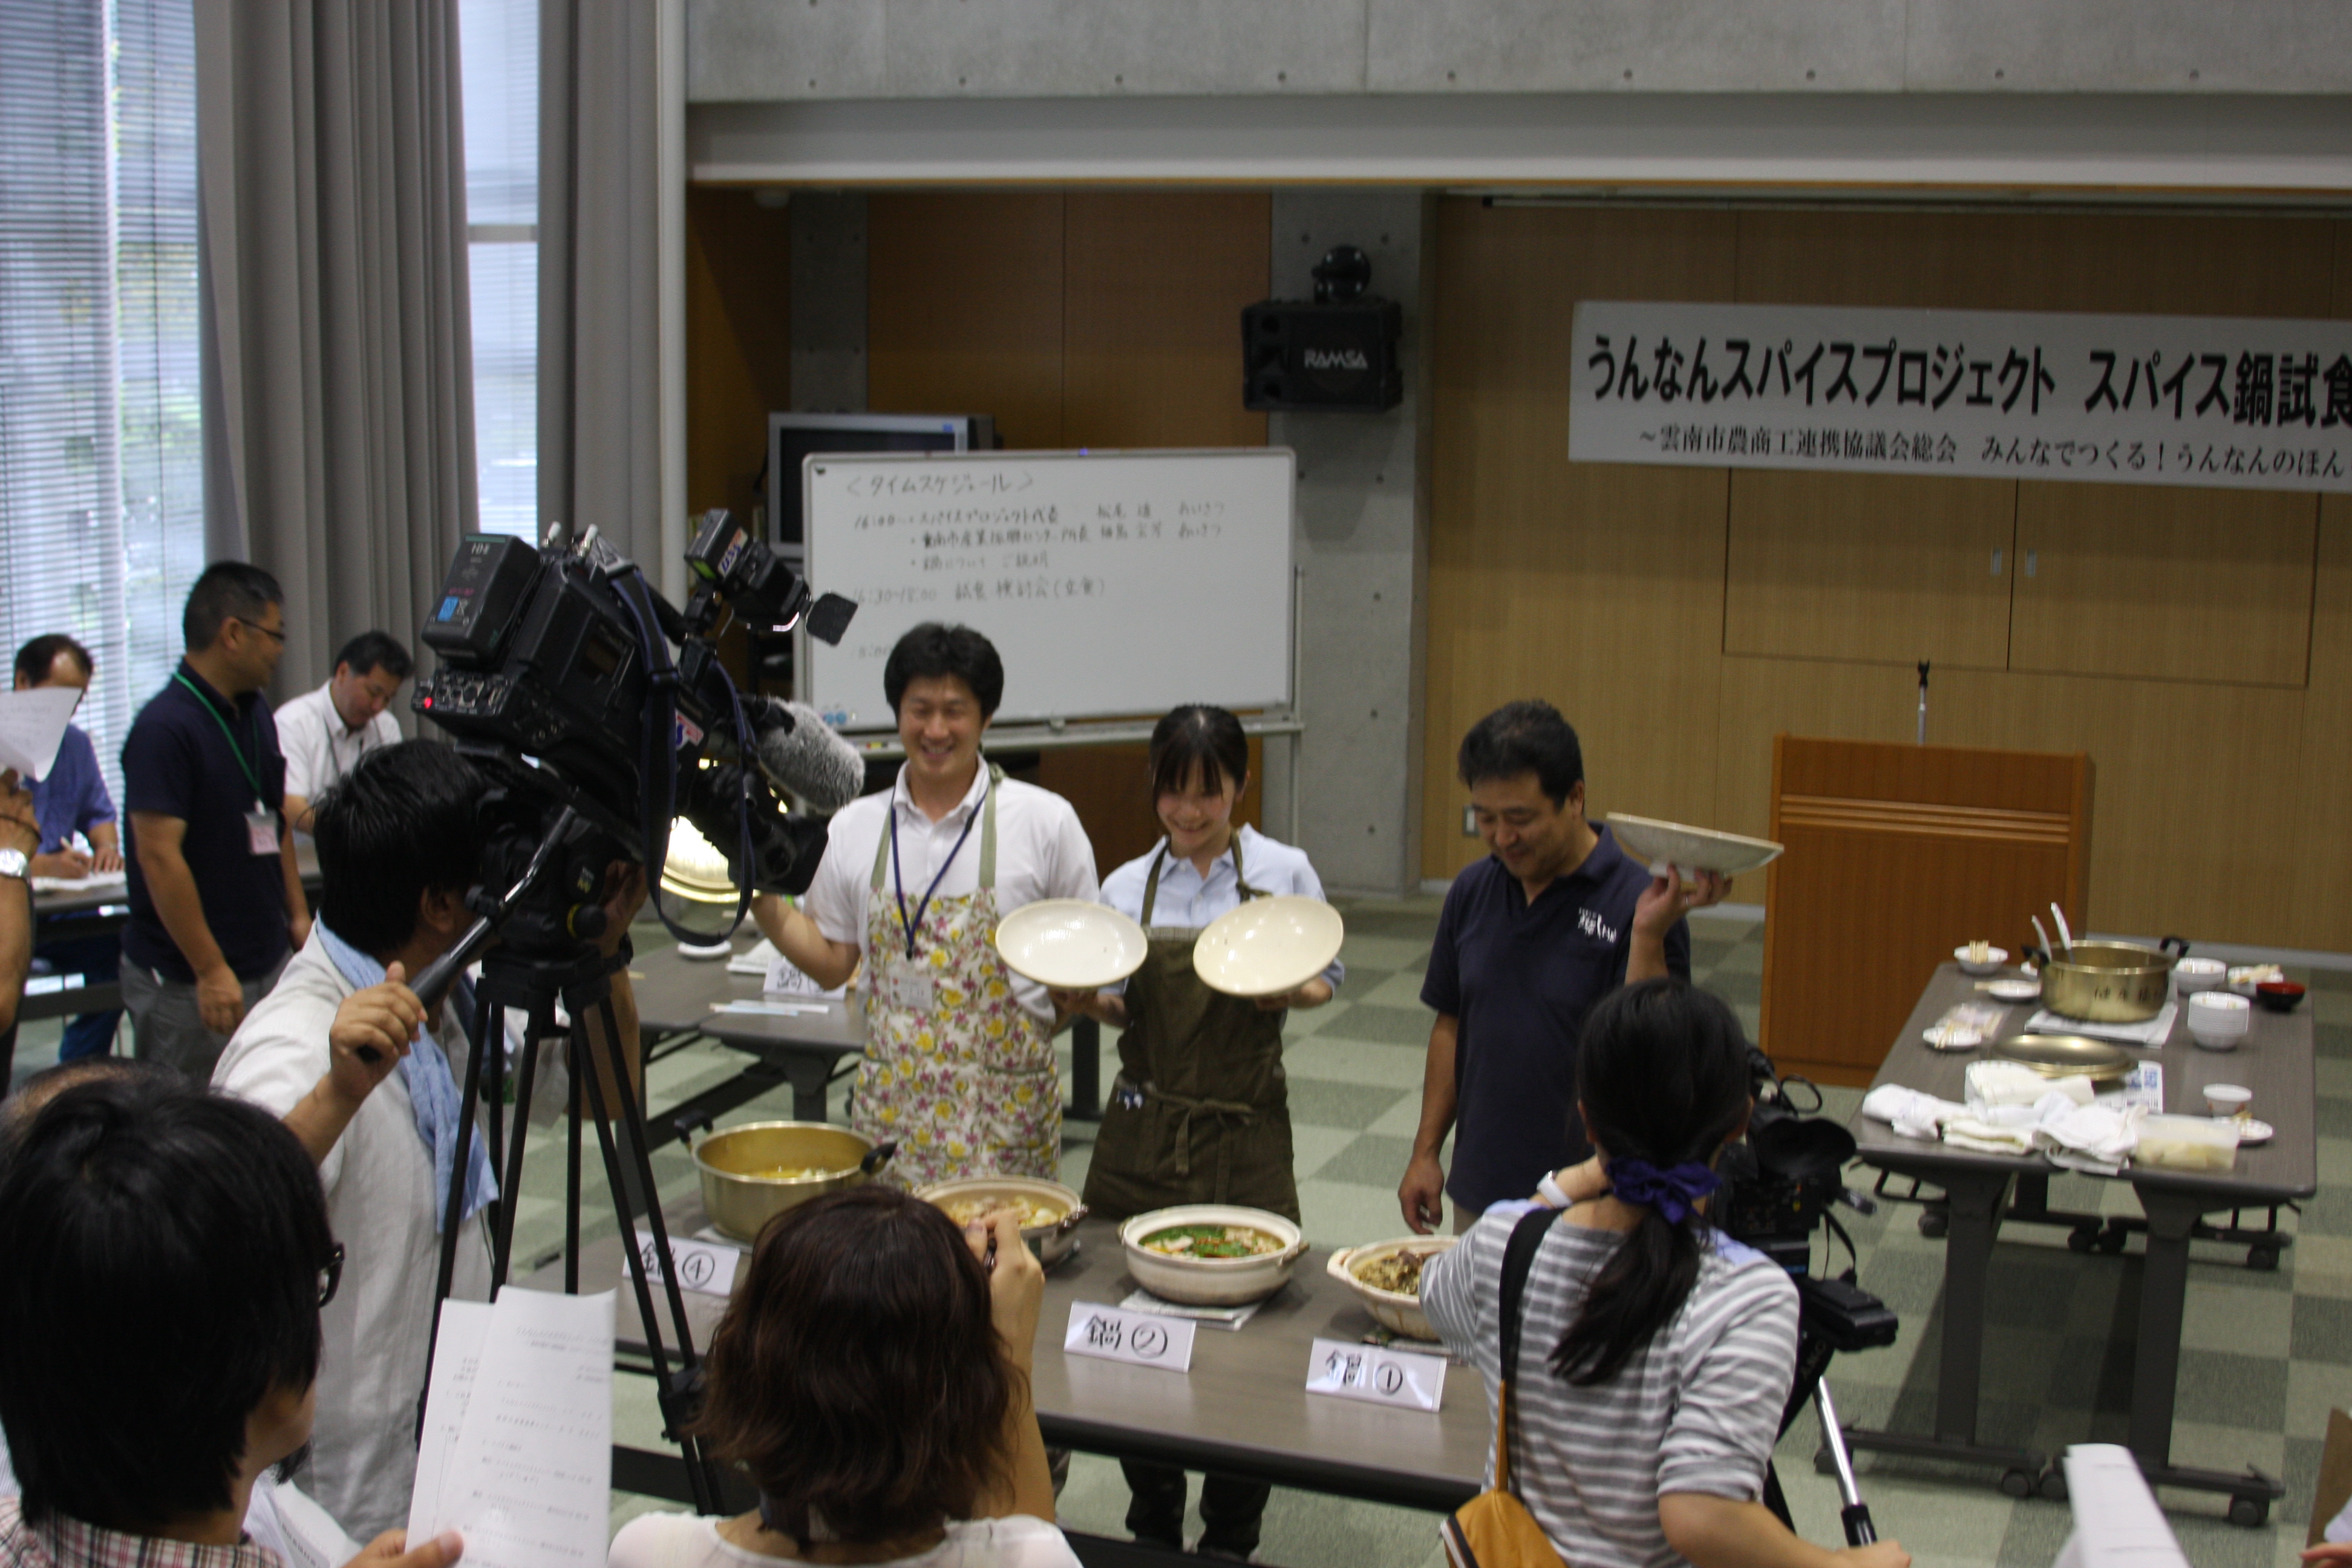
(1880, 567)
(1155, 284)
(1599, 586)
(2165, 583)
(738, 344)
(963, 308)
(1824, 699)
(2316, 903)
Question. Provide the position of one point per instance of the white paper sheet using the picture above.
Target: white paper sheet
(31, 725)
(456, 1353)
(2117, 1521)
(528, 1479)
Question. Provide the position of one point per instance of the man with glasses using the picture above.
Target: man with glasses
(215, 897)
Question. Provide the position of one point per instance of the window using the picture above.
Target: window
(497, 43)
(101, 475)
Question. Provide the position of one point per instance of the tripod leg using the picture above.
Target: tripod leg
(571, 1179)
(642, 1162)
(453, 1215)
(1855, 1513)
(496, 1069)
(503, 1254)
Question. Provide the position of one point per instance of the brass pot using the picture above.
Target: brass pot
(740, 1203)
(2111, 982)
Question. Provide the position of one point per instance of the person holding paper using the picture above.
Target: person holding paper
(868, 1318)
(325, 732)
(72, 802)
(20, 836)
(215, 896)
(159, 1333)
(958, 1067)
(399, 843)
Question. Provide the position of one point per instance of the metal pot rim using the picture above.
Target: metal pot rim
(694, 1151)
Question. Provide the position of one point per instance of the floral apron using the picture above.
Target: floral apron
(955, 1070)
(1200, 1113)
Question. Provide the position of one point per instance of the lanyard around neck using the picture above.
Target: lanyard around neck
(233, 749)
(908, 924)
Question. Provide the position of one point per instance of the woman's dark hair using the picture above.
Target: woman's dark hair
(1662, 1068)
(857, 1376)
(1197, 740)
(1523, 738)
(402, 820)
(932, 651)
(163, 1249)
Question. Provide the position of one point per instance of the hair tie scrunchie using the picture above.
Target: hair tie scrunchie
(1674, 1192)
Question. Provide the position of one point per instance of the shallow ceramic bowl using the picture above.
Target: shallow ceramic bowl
(1393, 1310)
(1265, 947)
(1994, 958)
(1692, 849)
(2192, 976)
(1051, 1243)
(1211, 1282)
(1071, 944)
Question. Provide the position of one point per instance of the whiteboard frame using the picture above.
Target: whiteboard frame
(1287, 708)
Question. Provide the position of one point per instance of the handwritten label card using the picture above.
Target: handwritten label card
(1134, 1337)
(1355, 1371)
(701, 1266)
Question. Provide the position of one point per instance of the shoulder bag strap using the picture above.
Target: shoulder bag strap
(1519, 1256)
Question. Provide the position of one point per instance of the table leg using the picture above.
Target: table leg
(809, 1076)
(1085, 1072)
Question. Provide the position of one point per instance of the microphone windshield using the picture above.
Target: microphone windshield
(802, 755)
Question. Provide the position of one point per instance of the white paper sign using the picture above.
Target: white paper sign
(701, 1266)
(787, 979)
(2226, 402)
(1353, 1370)
(1133, 1337)
(31, 725)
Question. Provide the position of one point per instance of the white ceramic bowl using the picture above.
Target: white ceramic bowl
(1993, 959)
(2228, 1099)
(2219, 1013)
(1071, 944)
(2191, 975)
(1395, 1311)
(1265, 947)
(1663, 843)
(1051, 1243)
(1211, 1282)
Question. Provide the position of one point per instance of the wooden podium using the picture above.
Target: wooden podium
(1896, 856)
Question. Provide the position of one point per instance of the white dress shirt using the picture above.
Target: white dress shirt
(320, 747)
(1042, 852)
(1188, 899)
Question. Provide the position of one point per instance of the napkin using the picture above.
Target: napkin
(2151, 1032)
(2097, 1137)
(1993, 1083)
(1968, 1132)
(1912, 1113)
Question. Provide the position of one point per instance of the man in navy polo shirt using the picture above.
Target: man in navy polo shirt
(1556, 918)
(215, 897)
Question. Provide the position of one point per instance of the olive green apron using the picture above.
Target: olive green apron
(1200, 1113)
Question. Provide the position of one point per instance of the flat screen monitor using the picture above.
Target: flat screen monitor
(795, 437)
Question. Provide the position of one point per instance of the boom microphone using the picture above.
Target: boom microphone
(800, 753)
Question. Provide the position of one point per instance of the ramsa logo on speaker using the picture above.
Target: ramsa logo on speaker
(1337, 359)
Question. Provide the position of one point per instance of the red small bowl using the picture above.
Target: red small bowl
(2278, 996)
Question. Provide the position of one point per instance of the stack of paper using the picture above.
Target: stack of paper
(2117, 1521)
(517, 1455)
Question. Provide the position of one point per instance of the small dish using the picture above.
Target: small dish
(1991, 963)
(1952, 1038)
(1266, 947)
(1676, 844)
(2246, 976)
(2278, 995)
(2015, 990)
(2252, 1131)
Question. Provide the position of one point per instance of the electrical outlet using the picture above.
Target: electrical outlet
(1469, 822)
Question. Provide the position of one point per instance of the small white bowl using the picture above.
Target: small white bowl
(1994, 958)
(2228, 1099)
(2191, 975)
(2219, 1013)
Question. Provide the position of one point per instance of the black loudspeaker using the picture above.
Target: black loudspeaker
(1296, 356)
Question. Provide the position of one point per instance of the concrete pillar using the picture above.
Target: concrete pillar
(828, 282)
(1363, 555)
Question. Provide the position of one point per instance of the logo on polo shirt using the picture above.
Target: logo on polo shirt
(1592, 924)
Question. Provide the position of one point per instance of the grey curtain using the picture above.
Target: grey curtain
(338, 374)
(599, 298)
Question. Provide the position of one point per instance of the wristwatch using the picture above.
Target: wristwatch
(15, 863)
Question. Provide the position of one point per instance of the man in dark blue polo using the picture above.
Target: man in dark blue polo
(1555, 918)
(215, 897)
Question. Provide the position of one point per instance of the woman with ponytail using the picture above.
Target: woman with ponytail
(1642, 1438)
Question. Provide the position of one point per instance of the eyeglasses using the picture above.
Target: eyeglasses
(265, 631)
(330, 1275)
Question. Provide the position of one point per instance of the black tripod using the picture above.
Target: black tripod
(1833, 1316)
(532, 984)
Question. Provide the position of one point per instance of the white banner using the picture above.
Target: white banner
(2240, 404)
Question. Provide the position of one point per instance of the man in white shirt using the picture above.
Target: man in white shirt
(398, 845)
(324, 732)
(958, 1067)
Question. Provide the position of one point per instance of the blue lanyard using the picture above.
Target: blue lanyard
(897, 878)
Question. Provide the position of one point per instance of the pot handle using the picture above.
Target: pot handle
(1069, 1222)
(2040, 955)
(1294, 1251)
(2176, 946)
(877, 1157)
(1336, 1266)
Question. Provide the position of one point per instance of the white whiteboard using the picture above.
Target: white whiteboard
(1111, 583)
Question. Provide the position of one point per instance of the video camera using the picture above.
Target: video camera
(557, 677)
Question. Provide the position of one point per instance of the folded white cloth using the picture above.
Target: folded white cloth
(2098, 1133)
(1912, 1113)
(1993, 1083)
(1971, 1133)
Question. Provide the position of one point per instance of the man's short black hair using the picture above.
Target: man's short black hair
(163, 1247)
(402, 820)
(376, 650)
(933, 650)
(228, 590)
(1523, 738)
(34, 659)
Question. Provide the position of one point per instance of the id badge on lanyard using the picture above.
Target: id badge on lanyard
(261, 831)
(905, 984)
